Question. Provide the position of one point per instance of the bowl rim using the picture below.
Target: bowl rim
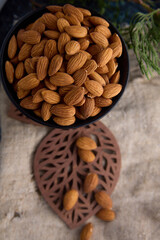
(26, 111)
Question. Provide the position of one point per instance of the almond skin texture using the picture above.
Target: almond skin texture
(37, 97)
(104, 30)
(55, 64)
(25, 52)
(22, 93)
(42, 67)
(72, 19)
(94, 49)
(70, 199)
(76, 62)
(63, 110)
(50, 96)
(69, 9)
(62, 23)
(81, 102)
(76, 31)
(50, 49)
(72, 47)
(86, 143)
(94, 87)
(52, 34)
(31, 37)
(88, 107)
(62, 41)
(38, 49)
(29, 66)
(117, 49)
(96, 111)
(74, 96)
(28, 82)
(86, 232)
(103, 199)
(27, 103)
(99, 39)
(105, 77)
(97, 77)
(9, 69)
(64, 121)
(49, 85)
(45, 111)
(64, 90)
(90, 66)
(102, 102)
(112, 66)
(106, 215)
(38, 26)
(90, 182)
(84, 43)
(98, 21)
(80, 77)
(49, 20)
(115, 78)
(61, 79)
(102, 70)
(86, 13)
(19, 71)
(86, 155)
(104, 57)
(112, 90)
(12, 47)
(59, 15)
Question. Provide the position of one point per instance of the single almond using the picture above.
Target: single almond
(9, 69)
(112, 90)
(52, 34)
(37, 97)
(61, 79)
(74, 96)
(94, 87)
(54, 8)
(64, 90)
(102, 70)
(90, 182)
(98, 21)
(94, 49)
(86, 155)
(96, 111)
(29, 27)
(88, 55)
(76, 62)
(80, 77)
(22, 93)
(50, 49)
(84, 43)
(55, 64)
(90, 66)
(99, 39)
(62, 41)
(70, 199)
(103, 199)
(86, 232)
(87, 23)
(86, 143)
(19, 41)
(112, 66)
(31, 37)
(62, 23)
(105, 77)
(25, 52)
(64, 121)
(116, 39)
(42, 67)
(50, 96)
(27, 103)
(81, 102)
(103, 57)
(72, 47)
(29, 66)
(115, 78)
(45, 111)
(104, 30)
(38, 26)
(14, 60)
(76, 31)
(37, 112)
(87, 108)
(85, 12)
(69, 9)
(97, 77)
(106, 215)
(63, 110)
(49, 20)
(79, 115)
(19, 71)
(59, 15)
(12, 47)
(102, 102)
(117, 49)
(72, 19)
(49, 85)
(28, 82)
(38, 49)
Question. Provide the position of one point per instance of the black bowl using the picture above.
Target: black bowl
(123, 66)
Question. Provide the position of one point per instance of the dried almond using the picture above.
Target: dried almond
(90, 182)
(12, 47)
(116, 39)
(45, 111)
(49, 20)
(106, 215)
(79, 115)
(50, 49)
(80, 77)
(63, 110)
(34, 90)
(97, 77)
(22, 93)
(54, 8)
(90, 95)
(99, 39)
(74, 96)
(103, 199)
(9, 69)
(72, 19)
(52, 34)
(102, 102)
(85, 12)
(88, 55)
(105, 77)
(94, 87)
(90, 66)
(65, 89)
(29, 27)
(14, 60)
(37, 97)
(59, 15)
(112, 66)
(98, 21)
(62, 23)
(25, 52)
(37, 49)
(70, 199)
(37, 112)
(30, 37)
(72, 47)
(62, 41)
(49, 85)
(84, 43)
(19, 71)
(104, 30)
(29, 66)
(96, 111)
(87, 108)
(27, 103)
(50, 96)
(86, 232)
(69, 9)
(94, 49)
(112, 90)
(102, 70)
(81, 102)
(117, 49)
(76, 62)
(63, 67)
(42, 67)
(19, 41)
(115, 78)
(55, 64)
(86, 143)
(87, 23)
(61, 79)
(28, 82)
(86, 155)
(103, 57)
(38, 26)
(76, 31)
(64, 121)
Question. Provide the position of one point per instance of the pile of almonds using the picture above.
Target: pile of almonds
(90, 183)
(64, 65)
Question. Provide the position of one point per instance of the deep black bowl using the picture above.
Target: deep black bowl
(123, 66)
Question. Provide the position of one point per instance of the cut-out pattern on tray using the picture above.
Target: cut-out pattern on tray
(57, 169)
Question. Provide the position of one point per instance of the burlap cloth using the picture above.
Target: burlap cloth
(135, 122)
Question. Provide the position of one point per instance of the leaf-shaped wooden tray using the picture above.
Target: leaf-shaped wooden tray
(57, 168)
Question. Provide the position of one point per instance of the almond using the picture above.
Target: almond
(62, 41)
(90, 95)
(37, 112)
(42, 67)
(116, 39)
(102, 70)
(104, 57)
(86, 232)
(90, 66)
(112, 66)
(103, 199)
(98, 21)
(22, 93)
(63, 67)
(79, 115)
(25, 52)
(37, 97)
(72, 47)
(64, 121)
(81, 102)
(49, 85)
(27, 103)
(88, 55)
(12, 47)
(50, 49)
(63, 110)
(86, 143)
(102, 102)
(65, 89)
(62, 23)
(37, 49)
(85, 12)
(106, 215)
(87, 23)
(69, 9)
(29, 66)
(96, 111)
(84, 43)
(14, 60)
(59, 15)
(104, 30)
(54, 8)
(86, 155)
(115, 78)
(94, 49)
(50, 96)
(38, 26)
(55, 64)
(72, 19)
(19, 71)
(94, 87)
(40, 85)
(117, 49)
(61, 79)
(70, 199)
(112, 90)
(76, 31)
(28, 82)
(90, 182)
(99, 39)
(9, 69)
(97, 77)
(76, 62)
(88, 107)
(49, 20)
(45, 111)
(19, 41)
(52, 34)
(29, 27)
(80, 77)
(74, 96)
(31, 37)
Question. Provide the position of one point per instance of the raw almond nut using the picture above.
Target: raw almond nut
(34, 90)
(55, 64)
(49, 85)
(102, 102)
(94, 49)
(86, 143)
(86, 155)
(29, 66)
(116, 39)
(112, 66)
(19, 41)
(76, 31)
(94, 87)
(81, 102)
(97, 77)
(90, 182)
(62, 41)
(42, 67)
(50, 49)
(105, 77)
(29, 82)
(106, 215)
(74, 96)
(90, 66)
(64, 121)
(79, 115)
(37, 97)
(84, 43)
(112, 90)
(104, 30)
(14, 60)
(70, 199)
(117, 49)
(103, 199)
(98, 21)
(54, 8)
(86, 232)
(63, 110)
(52, 34)
(19, 71)
(88, 55)
(37, 49)
(76, 62)
(69, 9)
(104, 57)
(61, 79)
(9, 69)
(72, 19)
(85, 12)
(22, 93)
(25, 52)
(49, 20)
(62, 23)
(72, 47)
(12, 47)
(87, 23)
(65, 89)
(50, 96)
(27, 103)
(115, 78)
(88, 107)
(45, 111)
(102, 70)
(99, 39)
(80, 77)
(38, 26)
(59, 15)
(31, 37)
(37, 112)
(96, 111)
